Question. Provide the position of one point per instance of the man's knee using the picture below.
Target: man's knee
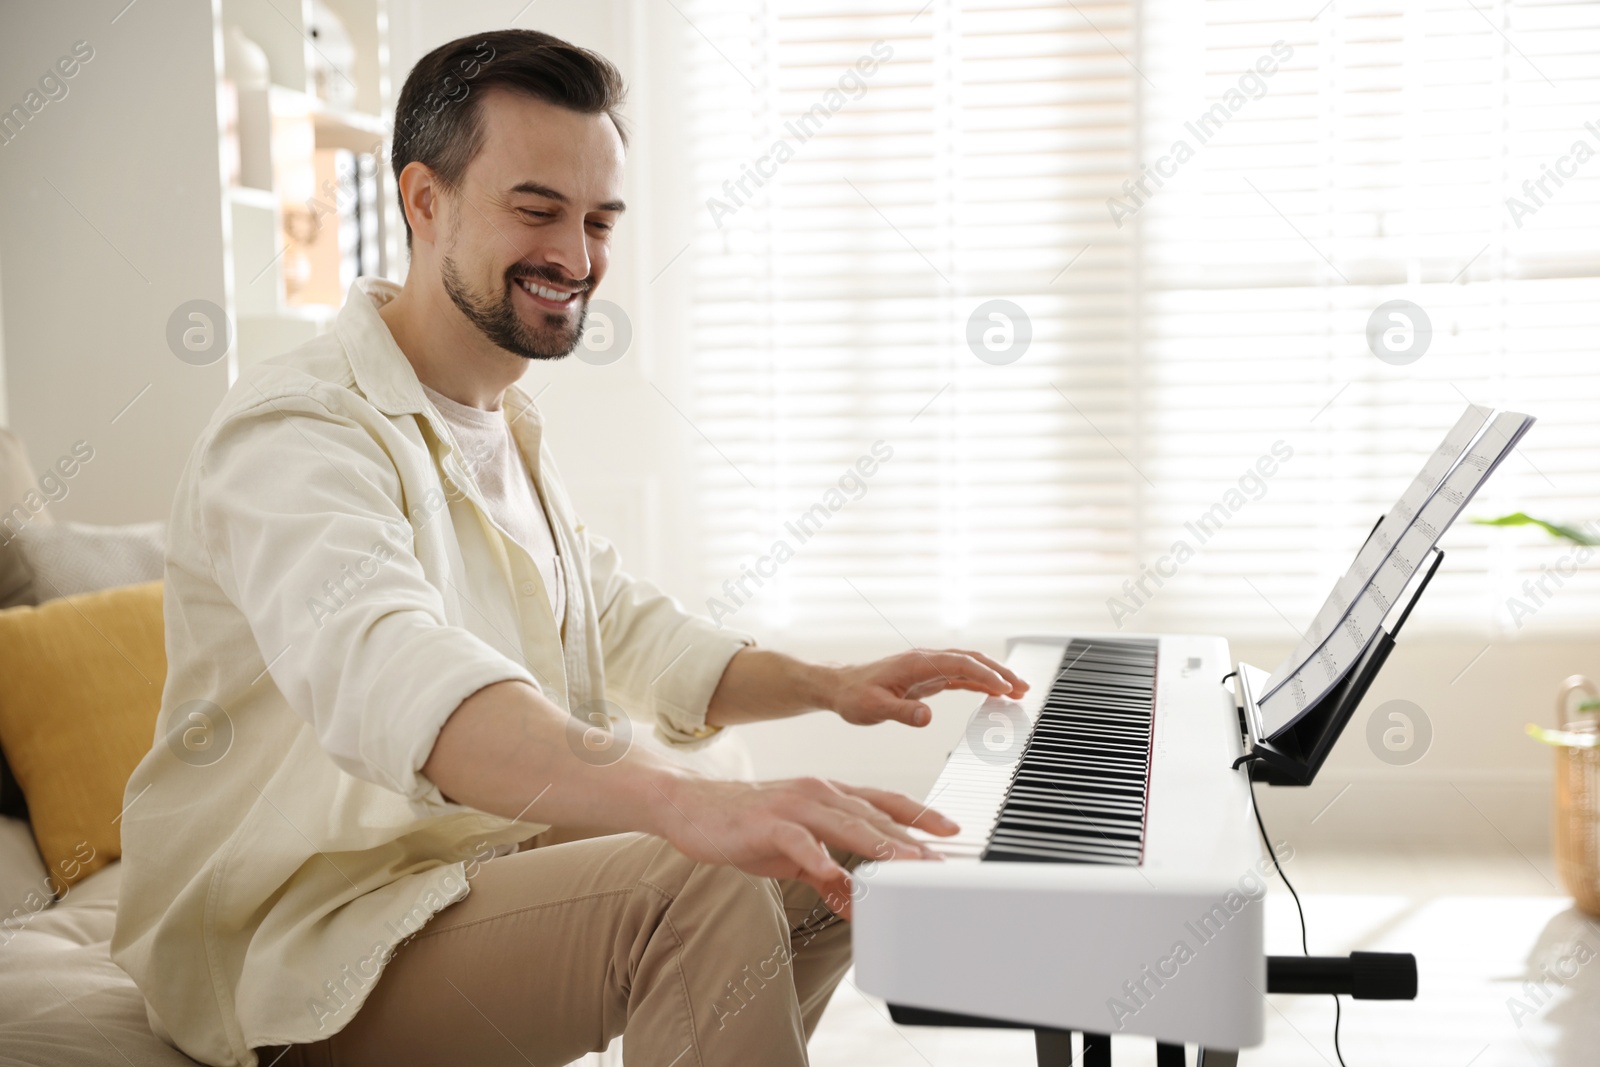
(739, 922)
(730, 895)
(718, 903)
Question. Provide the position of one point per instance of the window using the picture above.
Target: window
(1189, 215)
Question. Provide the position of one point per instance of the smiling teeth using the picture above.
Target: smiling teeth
(549, 294)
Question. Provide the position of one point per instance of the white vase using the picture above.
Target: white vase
(245, 63)
(333, 57)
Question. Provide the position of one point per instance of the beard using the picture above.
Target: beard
(496, 316)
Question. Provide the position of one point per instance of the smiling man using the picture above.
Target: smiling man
(392, 645)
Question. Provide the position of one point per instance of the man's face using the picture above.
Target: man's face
(526, 239)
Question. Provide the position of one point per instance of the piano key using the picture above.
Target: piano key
(1077, 791)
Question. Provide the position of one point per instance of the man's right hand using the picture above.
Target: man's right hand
(506, 750)
(780, 829)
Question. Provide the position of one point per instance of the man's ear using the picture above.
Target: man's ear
(423, 194)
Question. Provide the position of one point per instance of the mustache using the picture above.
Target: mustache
(551, 277)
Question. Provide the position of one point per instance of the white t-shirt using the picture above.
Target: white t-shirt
(491, 456)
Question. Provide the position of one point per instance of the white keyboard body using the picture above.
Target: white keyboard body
(1170, 948)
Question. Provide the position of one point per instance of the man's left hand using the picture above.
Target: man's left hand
(891, 689)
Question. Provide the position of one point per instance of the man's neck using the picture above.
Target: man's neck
(448, 354)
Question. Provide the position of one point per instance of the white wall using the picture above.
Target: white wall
(110, 218)
(5, 407)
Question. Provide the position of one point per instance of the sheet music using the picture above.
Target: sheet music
(1307, 680)
(1354, 581)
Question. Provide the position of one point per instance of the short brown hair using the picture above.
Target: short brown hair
(436, 118)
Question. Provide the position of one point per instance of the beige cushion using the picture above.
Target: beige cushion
(71, 558)
(57, 965)
(25, 884)
(21, 506)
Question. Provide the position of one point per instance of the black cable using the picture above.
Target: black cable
(1304, 946)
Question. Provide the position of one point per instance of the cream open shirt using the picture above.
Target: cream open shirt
(335, 586)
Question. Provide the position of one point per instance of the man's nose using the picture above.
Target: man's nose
(565, 250)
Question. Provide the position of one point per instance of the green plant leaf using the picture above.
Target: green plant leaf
(1555, 529)
(1563, 738)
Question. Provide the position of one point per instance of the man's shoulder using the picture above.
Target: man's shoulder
(320, 366)
(313, 379)
(313, 376)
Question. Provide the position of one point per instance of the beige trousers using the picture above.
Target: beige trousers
(559, 948)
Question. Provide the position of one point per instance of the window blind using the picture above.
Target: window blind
(1173, 419)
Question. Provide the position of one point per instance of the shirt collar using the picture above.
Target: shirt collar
(382, 372)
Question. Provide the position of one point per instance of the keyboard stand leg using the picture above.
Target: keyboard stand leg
(1096, 1050)
(1210, 1057)
(1169, 1055)
(1053, 1048)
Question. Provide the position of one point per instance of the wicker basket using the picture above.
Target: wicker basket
(1577, 801)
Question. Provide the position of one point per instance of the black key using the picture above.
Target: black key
(1079, 790)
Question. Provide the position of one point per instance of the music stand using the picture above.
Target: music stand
(1294, 756)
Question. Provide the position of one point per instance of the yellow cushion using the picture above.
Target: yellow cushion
(80, 688)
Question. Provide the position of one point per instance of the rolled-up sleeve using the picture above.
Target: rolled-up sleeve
(302, 513)
(658, 657)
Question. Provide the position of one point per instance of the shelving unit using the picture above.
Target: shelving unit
(281, 293)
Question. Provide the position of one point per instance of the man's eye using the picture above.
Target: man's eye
(599, 225)
(529, 212)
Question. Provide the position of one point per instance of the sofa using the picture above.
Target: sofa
(63, 1002)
